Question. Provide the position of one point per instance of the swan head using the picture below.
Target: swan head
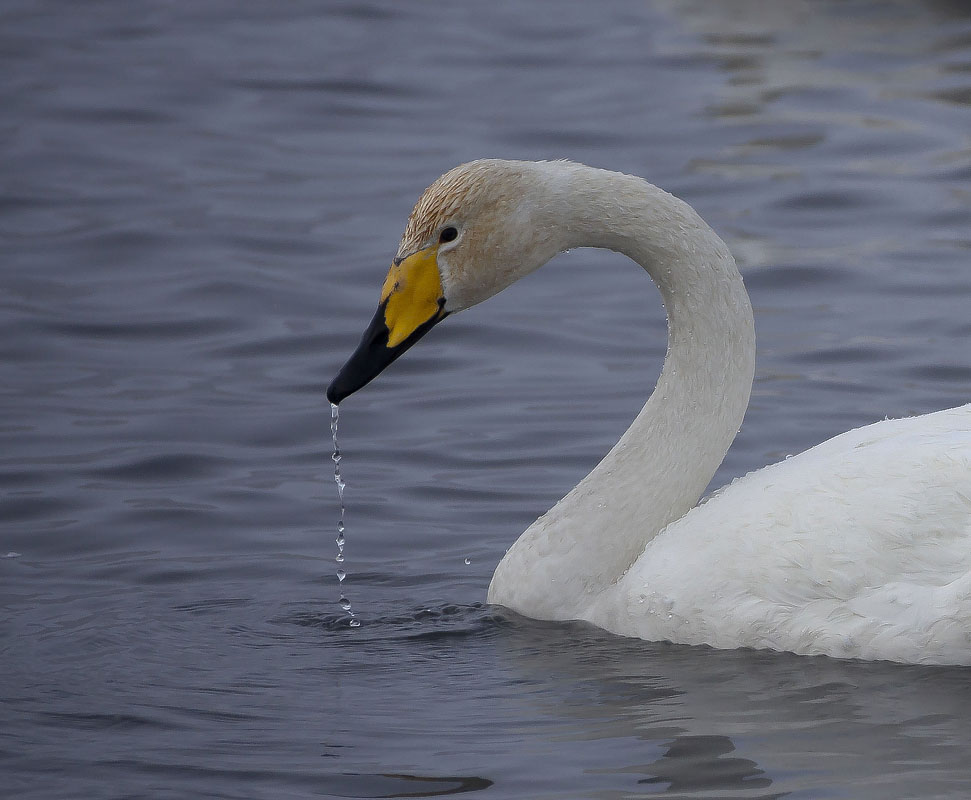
(477, 229)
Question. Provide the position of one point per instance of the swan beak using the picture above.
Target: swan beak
(412, 303)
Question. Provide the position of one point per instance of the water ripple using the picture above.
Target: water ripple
(199, 204)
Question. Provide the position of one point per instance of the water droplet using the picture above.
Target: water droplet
(340, 541)
(468, 560)
(355, 623)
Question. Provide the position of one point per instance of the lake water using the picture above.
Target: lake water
(198, 204)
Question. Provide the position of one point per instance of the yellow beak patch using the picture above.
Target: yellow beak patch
(412, 295)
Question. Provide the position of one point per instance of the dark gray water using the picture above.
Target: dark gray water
(198, 204)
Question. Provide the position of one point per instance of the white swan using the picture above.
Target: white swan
(859, 547)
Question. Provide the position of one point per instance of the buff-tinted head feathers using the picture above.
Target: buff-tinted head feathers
(492, 206)
(453, 197)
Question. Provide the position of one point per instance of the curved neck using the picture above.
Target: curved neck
(659, 468)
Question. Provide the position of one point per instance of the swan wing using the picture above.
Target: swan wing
(859, 547)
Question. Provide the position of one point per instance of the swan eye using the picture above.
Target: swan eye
(448, 234)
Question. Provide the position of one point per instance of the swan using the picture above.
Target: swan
(857, 548)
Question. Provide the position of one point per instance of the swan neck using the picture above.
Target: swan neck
(659, 468)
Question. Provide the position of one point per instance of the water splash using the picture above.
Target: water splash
(341, 574)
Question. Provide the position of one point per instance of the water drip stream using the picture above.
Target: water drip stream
(345, 604)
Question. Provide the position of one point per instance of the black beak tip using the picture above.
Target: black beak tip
(372, 355)
(334, 393)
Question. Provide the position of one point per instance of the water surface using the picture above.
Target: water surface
(198, 206)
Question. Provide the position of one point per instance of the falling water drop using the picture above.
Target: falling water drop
(340, 540)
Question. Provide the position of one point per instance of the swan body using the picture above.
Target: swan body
(859, 547)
